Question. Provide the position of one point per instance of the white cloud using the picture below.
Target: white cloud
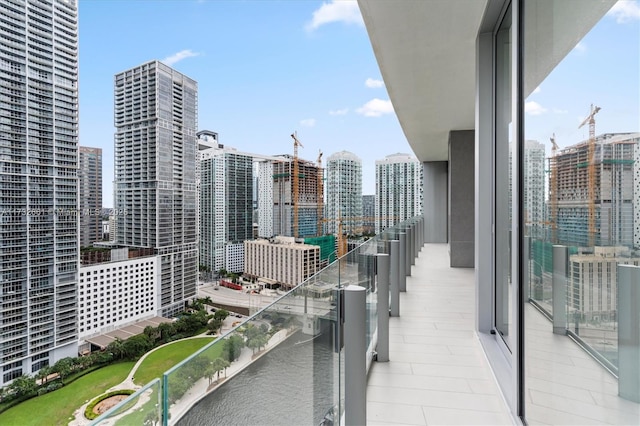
(580, 47)
(534, 108)
(374, 84)
(625, 11)
(342, 111)
(346, 11)
(308, 122)
(177, 57)
(536, 90)
(375, 108)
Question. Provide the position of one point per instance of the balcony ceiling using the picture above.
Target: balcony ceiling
(426, 54)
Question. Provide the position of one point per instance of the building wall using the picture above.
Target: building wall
(369, 212)
(234, 257)
(265, 199)
(636, 195)
(344, 193)
(155, 115)
(308, 198)
(593, 282)
(38, 185)
(114, 294)
(226, 206)
(398, 190)
(534, 192)
(614, 191)
(283, 260)
(90, 195)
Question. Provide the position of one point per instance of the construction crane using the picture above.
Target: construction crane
(320, 193)
(294, 183)
(591, 170)
(553, 189)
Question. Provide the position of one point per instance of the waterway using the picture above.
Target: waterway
(296, 383)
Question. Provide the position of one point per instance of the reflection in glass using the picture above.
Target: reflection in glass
(588, 121)
(503, 180)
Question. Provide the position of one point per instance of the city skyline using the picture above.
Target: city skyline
(266, 69)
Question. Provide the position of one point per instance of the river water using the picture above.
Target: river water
(294, 384)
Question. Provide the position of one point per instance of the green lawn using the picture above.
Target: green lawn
(55, 408)
(156, 363)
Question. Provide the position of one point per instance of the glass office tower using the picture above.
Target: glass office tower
(38, 184)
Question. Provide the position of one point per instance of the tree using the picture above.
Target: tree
(214, 325)
(209, 372)
(116, 348)
(219, 364)
(136, 346)
(42, 374)
(166, 330)
(23, 385)
(221, 314)
(151, 418)
(232, 347)
(64, 367)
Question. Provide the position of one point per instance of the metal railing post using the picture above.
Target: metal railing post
(355, 356)
(559, 288)
(412, 244)
(629, 332)
(402, 270)
(383, 265)
(407, 250)
(394, 279)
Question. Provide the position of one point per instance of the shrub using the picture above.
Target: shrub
(88, 412)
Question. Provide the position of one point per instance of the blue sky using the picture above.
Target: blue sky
(604, 70)
(266, 68)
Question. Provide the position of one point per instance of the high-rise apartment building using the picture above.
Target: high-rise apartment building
(226, 207)
(310, 195)
(369, 213)
(344, 193)
(398, 190)
(155, 174)
(614, 191)
(636, 193)
(38, 184)
(90, 194)
(265, 199)
(534, 194)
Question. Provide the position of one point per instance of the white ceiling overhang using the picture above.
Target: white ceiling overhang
(426, 51)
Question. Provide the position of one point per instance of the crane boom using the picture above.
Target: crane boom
(294, 183)
(591, 181)
(553, 190)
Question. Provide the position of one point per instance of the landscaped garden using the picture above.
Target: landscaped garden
(57, 408)
(162, 359)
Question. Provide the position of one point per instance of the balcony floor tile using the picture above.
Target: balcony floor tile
(437, 366)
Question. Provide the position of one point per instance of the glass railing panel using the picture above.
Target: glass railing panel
(285, 358)
(282, 359)
(144, 407)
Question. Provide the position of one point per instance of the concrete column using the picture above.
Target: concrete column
(629, 332)
(461, 198)
(383, 265)
(559, 288)
(355, 356)
(402, 282)
(435, 200)
(394, 279)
